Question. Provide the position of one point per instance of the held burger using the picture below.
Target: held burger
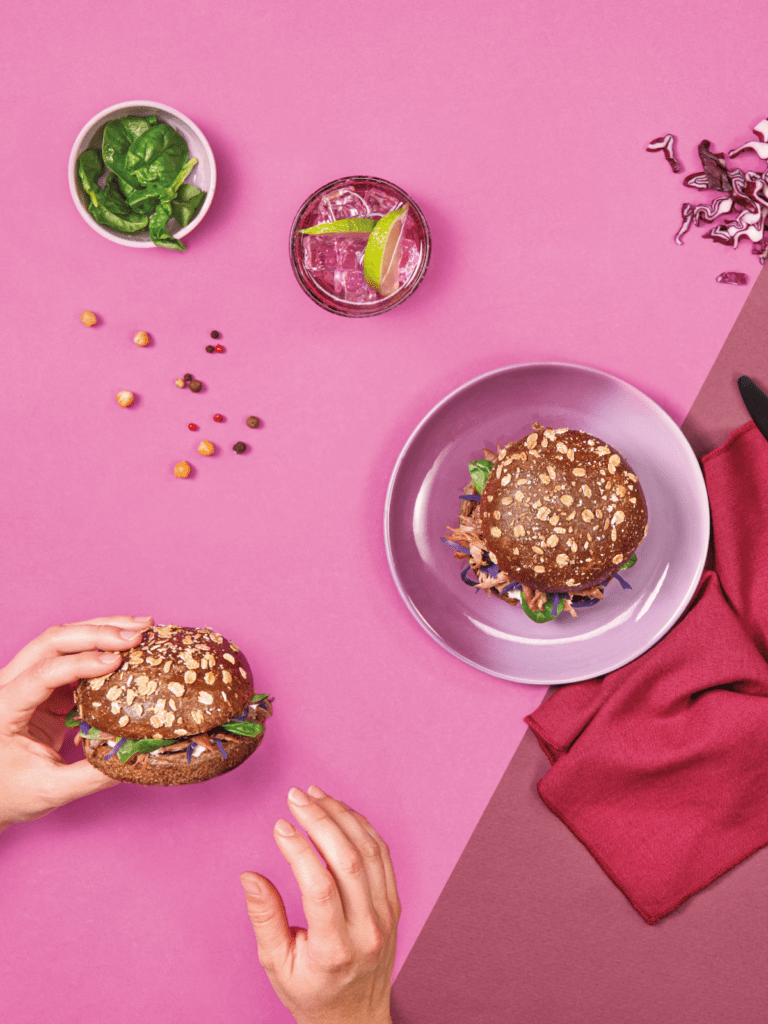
(179, 709)
(549, 520)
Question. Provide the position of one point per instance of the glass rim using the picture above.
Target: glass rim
(343, 307)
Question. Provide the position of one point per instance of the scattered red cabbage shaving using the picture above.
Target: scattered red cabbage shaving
(715, 175)
(115, 749)
(220, 745)
(732, 277)
(666, 144)
(745, 196)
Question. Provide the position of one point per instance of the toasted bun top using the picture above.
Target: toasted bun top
(177, 682)
(562, 510)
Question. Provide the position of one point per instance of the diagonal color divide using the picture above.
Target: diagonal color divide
(528, 928)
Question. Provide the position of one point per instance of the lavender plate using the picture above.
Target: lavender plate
(423, 499)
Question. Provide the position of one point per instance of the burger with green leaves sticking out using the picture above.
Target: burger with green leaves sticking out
(180, 708)
(549, 520)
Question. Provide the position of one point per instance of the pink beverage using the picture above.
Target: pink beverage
(338, 268)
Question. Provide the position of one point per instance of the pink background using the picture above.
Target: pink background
(521, 132)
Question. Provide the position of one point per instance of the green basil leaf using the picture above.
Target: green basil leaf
(72, 721)
(244, 728)
(92, 734)
(89, 169)
(143, 746)
(629, 562)
(140, 200)
(113, 211)
(257, 697)
(158, 231)
(155, 156)
(187, 204)
(543, 615)
(479, 472)
(119, 135)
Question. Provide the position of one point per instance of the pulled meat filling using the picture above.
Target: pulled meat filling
(177, 751)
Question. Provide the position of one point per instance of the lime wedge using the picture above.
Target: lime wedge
(350, 226)
(381, 259)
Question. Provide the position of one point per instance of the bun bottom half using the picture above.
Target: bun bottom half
(172, 769)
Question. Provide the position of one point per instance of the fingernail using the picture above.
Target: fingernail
(251, 885)
(296, 796)
(108, 655)
(285, 828)
(141, 618)
(130, 634)
(316, 792)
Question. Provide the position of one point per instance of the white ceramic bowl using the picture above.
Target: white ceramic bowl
(203, 174)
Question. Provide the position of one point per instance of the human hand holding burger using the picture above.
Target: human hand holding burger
(338, 970)
(35, 695)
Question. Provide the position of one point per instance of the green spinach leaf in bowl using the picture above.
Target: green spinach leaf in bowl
(147, 162)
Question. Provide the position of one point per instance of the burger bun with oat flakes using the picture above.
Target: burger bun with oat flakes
(549, 520)
(180, 708)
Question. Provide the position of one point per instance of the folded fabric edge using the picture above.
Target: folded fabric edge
(550, 748)
(733, 437)
(649, 917)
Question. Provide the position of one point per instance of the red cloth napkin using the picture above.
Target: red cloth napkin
(661, 768)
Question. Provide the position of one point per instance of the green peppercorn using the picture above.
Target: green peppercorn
(252, 421)
(209, 348)
(239, 448)
(215, 334)
(188, 376)
(195, 385)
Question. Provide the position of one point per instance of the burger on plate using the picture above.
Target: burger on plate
(180, 708)
(549, 520)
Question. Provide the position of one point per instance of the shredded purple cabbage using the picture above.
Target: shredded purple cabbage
(490, 569)
(555, 604)
(220, 745)
(455, 546)
(85, 728)
(667, 146)
(464, 571)
(115, 749)
(190, 748)
(470, 497)
(625, 585)
(512, 586)
(584, 602)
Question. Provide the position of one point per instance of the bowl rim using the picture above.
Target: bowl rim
(123, 238)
